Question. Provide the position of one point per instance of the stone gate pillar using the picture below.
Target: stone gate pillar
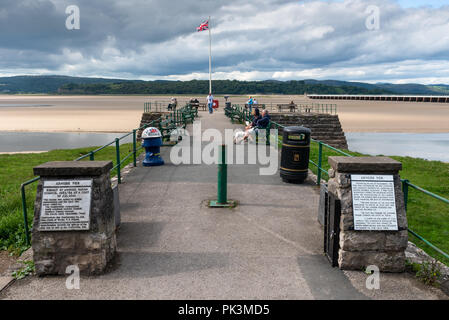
(74, 222)
(373, 223)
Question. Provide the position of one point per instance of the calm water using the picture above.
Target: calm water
(41, 141)
(430, 146)
(3, 105)
(426, 146)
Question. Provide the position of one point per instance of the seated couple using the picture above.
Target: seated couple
(259, 122)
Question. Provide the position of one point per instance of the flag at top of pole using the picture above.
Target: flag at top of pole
(205, 26)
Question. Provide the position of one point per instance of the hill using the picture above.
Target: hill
(55, 84)
(45, 84)
(220, 87)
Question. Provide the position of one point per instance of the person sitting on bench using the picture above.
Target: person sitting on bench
(172, 105)
(261, 123)
(255, 119)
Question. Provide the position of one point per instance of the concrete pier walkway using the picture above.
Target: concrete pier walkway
(172, 246)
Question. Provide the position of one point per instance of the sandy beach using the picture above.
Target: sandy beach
(35, 113)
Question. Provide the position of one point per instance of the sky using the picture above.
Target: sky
(393, 41)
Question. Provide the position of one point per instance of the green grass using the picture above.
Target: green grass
(426, 216)
(18, 168)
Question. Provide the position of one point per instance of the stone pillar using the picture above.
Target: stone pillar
(359, 249)
(90, 244)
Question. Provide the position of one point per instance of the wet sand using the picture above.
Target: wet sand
(35, 113)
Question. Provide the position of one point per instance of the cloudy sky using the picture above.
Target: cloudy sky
(251, 39)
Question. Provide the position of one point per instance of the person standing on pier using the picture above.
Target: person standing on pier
(210, 102)
(250, 104)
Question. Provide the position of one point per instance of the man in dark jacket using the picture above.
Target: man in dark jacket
(263, 122)
(258, 124)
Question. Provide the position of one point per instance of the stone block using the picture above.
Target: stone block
(73, 168)
(364, 164)
(362, 240)
(385, 261)
(396, 241)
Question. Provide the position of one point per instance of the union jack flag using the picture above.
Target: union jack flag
(203, 26)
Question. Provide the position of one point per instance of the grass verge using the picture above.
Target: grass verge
(18, 168)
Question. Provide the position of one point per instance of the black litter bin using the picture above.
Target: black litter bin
(295, 154)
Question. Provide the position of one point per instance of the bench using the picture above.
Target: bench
(166, 127)
(235, 114)
(291, 107)
(258, 105)
(188, 116)
(267, 134)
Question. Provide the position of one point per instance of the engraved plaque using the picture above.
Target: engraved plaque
(65, 205)
(374, 203)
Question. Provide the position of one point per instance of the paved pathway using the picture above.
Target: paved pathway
(171, 246)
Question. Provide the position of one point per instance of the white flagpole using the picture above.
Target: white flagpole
(210, 58)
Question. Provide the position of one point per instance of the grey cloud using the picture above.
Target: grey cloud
(157, 38)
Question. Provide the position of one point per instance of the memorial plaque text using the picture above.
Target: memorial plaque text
(65, 205)
(374, 202)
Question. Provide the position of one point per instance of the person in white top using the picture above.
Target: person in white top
(210, 102)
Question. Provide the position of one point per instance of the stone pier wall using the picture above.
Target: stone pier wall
(91, 250)
(148, 117)
(324, 127)
(359, 249)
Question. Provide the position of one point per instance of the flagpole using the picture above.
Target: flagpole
(210, 58)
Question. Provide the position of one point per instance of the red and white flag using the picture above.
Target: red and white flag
(203, 26)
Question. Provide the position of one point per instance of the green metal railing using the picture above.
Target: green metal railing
(320, 170)
(160, 106)
(174, 116)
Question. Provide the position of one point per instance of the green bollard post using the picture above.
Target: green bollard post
(222, 188)
(222, 185)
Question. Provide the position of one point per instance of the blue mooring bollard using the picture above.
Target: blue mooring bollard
(152, 142)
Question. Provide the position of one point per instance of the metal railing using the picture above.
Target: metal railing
(175, 117)
(161, 105)
(320, 170)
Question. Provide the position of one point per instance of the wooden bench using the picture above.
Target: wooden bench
(291, 107)
(236, 115)
(188, 116)
(258, 105)
(166, 127)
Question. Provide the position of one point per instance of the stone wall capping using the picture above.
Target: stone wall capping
(377, 165)
(73, 168)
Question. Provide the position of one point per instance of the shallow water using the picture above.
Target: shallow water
(3, 105)
(430, 146)
(43, 141)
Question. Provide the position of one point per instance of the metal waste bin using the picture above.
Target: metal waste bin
(295, 154)
(152, 142)
(227, 103)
